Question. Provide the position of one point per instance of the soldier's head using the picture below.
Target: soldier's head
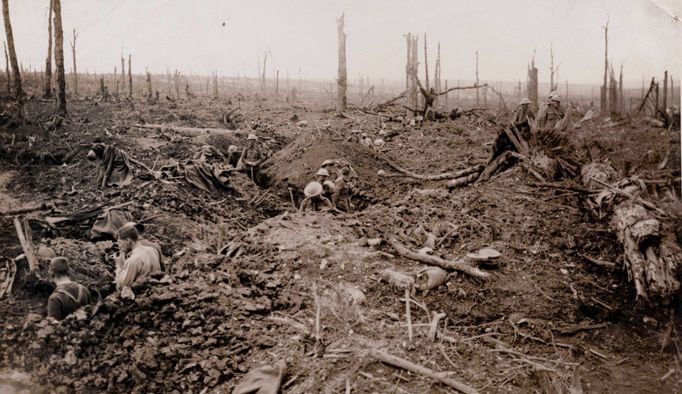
(554, 98)
(251, 139)
(524, 101)
(127, 236)
(345, 171)
(59, 267)
(322, 175)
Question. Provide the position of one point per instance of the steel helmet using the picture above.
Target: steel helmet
(232, 149)
(312, 189)
(327, 163)
(252, 137)
(322, 172)
(554, 96)
(524, 101)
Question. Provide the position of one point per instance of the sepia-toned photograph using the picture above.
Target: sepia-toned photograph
(340, 196)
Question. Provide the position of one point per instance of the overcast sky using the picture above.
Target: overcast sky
(301, 34)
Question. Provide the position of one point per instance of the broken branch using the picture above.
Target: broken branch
(437, 261)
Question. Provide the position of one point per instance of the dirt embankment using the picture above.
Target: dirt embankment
(309, 289)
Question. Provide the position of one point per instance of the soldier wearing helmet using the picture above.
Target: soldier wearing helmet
(549, 117)
(314, 200)
(321, 175)
(251, 158)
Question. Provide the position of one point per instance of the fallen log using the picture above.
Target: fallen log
(651, 264)
(26, 241)
(651, 259)
(32, 208)
(437, 261)
(437, 177)
(407, 365)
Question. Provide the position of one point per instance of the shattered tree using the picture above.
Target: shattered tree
(19, 93)
(342, 77)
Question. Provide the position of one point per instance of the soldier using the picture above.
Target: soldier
(314, 200)
(69, 295)
(140, 265)
(341, 194)
(523, 116)
(550, 117)
(251, 158)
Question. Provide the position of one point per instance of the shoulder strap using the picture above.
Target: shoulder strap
(66, 293)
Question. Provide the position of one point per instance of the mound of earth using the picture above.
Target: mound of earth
(297, 163)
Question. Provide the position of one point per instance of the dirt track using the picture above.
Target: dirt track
(215, 317)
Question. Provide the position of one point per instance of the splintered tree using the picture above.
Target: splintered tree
(215, 84)
(48, 61)
(342, 79)
(411, 88)
(262, 76)
(477, 94)
(123, 74)
(75, 70)
(437, 72)
(9, 78)
(150, 94)
(604, 87)
(613, 93)
(532, 82)
(552, 71)
(665, 91)
(130, 75)
(426, 64)
(16, 75)
(59, 57)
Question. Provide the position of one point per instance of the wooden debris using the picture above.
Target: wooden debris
(408, 313)
(598, 262)
(437, 261)
(437, 177)
(26, 240)
(578, 328)
(440, 377)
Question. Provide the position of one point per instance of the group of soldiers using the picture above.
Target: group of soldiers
(325, 193)
(137, 261)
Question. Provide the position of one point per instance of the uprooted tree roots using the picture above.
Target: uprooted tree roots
(650, 257)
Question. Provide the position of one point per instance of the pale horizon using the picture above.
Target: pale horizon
(301, 39)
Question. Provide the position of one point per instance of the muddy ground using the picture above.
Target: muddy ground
(307, 288)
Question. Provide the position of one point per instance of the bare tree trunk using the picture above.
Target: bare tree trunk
(262, 86)
(48, 60)
(130, 75)
(665, 90)
(567, 91)
(414, 70)
(75, 70)
(277, 84)
(446, 95)
(123, 74)
(477, 94)
(59, 58)
(437, 76)
(613, 93)
(604, 88)
(168, 81)
(177, 84)
(149, 85)
(551, 68)
(341, 99)
(16, 74)
(621, 101)
(532, 83)
(116, 79)
(426, 64)
(9, 77)
(215, 84)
